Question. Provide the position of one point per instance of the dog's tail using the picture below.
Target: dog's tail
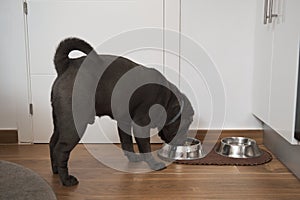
(61, 57)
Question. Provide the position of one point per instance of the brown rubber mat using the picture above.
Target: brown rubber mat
(215, 159)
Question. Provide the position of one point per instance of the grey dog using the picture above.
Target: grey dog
(178, 110)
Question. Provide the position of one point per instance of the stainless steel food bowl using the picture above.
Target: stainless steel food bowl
(191, 150)
(238, 147)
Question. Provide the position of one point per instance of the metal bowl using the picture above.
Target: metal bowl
(238, 147)
(191, 150)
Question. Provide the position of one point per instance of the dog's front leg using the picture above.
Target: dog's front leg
(127, 143)
(142, 137)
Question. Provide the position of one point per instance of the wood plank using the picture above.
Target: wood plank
(97, 181)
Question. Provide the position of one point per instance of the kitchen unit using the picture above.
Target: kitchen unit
(221, 39)
(275, 78)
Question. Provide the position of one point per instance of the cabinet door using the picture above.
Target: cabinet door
(95, 21)
(262, 64)
(223, 30)
(285, 69)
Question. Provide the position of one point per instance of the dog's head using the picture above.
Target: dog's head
(176, 128)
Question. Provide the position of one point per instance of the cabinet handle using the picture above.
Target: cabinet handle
(271, 15)
(266, 11)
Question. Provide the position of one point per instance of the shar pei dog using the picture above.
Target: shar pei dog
(156, 104)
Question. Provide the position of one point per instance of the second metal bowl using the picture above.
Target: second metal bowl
(238, 147)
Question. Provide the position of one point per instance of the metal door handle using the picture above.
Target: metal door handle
(266, 11)
(271, 15)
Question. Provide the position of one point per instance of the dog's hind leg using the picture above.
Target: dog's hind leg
(52, 144)
(62, 152)
(53, 141)
(142, 137)
(127, 143)
(68, 139)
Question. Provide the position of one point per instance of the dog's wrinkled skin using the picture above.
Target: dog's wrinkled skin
(66, 135)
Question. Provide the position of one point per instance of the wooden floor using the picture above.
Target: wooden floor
(269, 181)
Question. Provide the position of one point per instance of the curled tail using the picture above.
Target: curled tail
(61, 58)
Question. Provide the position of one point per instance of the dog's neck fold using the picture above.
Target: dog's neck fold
(177, 115)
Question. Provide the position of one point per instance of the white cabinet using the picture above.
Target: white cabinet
(95, 21)
(42, 113)
(262, 64)
(223, 30)
(285, 70)
(276, 67)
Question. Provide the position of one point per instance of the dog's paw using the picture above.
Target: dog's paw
(70, 181)
(133, 157)
(154, 165)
